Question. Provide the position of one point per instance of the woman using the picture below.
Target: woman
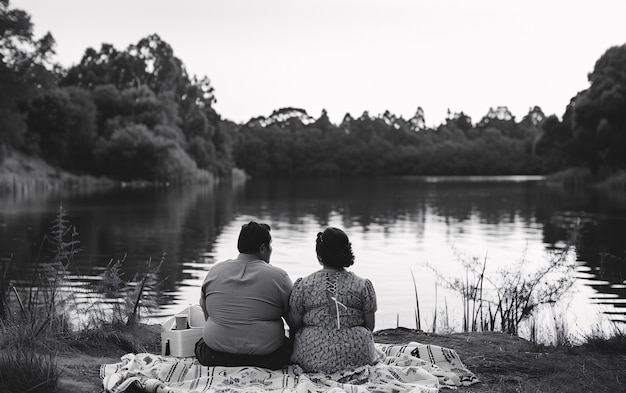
(332, 311)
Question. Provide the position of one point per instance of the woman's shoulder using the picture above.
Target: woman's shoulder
(353, 276)
(312, 278)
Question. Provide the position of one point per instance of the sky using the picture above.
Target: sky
(351, 56)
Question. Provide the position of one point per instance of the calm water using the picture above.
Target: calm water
(400, 228)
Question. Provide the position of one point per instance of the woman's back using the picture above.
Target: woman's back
(333, 337)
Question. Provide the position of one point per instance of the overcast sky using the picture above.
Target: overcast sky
(350, 56)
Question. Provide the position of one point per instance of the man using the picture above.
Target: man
(244, 301)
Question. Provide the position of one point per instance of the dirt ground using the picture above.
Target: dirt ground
(503, 363)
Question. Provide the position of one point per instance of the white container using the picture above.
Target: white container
(181, 342)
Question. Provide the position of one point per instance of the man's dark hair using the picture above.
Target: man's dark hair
(251, 237)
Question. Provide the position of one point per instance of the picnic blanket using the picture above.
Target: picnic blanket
(407, 368)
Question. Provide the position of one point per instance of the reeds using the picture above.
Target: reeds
(34, 319)
(502, 301)
(43, 302)
(613, 340)
(131, 298)
(418, 323)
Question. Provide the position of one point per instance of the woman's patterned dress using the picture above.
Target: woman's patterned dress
(333, 338)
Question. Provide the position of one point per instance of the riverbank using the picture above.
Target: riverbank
(24, 174)
(503, 363)
(20, 173)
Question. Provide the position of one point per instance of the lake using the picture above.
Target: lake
(409, 235)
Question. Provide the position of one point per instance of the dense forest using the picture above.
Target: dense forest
(136, 114)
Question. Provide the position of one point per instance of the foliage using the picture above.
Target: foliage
(37, 319)
(63, 123)
(291, 143)
(593, 130)
(135, 152)
(130, 297)
(154, 122)
(599, 117)
(119, 336)
(24, 70)
(45, 305)
(502, 302)
(5, 263)
(615, 182)
(573, 177)
(24, 370)
(613, 340)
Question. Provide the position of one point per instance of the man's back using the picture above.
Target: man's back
(245, 299)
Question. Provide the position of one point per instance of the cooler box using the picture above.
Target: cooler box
(180, 333)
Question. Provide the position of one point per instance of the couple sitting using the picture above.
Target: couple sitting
(330, 313)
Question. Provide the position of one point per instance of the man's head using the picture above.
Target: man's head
(255, 239)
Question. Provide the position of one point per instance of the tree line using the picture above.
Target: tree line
(136, 114)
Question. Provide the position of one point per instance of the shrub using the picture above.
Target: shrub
(501, 302)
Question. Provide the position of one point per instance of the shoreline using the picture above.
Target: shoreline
(503, 363)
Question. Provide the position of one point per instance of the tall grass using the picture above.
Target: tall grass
(34, 318)
(24, 370)
(503, 300)
(418, 319)
(133, 297)
(5, 263)
(611, 337)
(43, 303)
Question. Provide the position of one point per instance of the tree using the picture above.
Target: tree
(418, 121)
(24, 70)
(556, 144)
(534, 118)
(64, 123)
(599, 117)
(134, 152)
(459, 120)
(147, 84)
(151, 62)
(108, 100)
(502, 119)
(323, 122)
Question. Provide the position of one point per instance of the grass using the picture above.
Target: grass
(613, 340)
(507, 363)
(39, 321)
(24, 370)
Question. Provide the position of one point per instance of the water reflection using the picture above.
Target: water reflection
(395, 222)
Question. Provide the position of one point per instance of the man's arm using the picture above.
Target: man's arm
(203, 304)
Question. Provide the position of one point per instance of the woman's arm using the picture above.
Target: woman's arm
(369, 320)
(369, 303)
(294, 320)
